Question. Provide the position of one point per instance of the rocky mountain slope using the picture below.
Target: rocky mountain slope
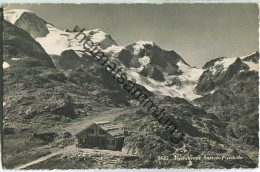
(38, 97)
(206, 135)
(19, 45)
(230, 88)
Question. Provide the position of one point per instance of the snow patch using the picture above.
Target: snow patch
(114, 50)
(189, 79)
(6, 65)
(15, 59)
(144, 60)
(212, 92)
(98, 37)
(144, 42)
(252, 66)
(191, 74)
(227, 62)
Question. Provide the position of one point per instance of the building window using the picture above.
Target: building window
(111, 142)
(91, 131)
(101, 131)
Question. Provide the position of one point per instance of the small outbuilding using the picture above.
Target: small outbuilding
(103, 135)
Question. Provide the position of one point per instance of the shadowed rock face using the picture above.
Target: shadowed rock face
(107, 42)
(165, 60)
(76, 29)
(32, 24)
(234, 69)
(128, 59)
(253, 58)
(212, 62)
(19, 44)
(153, 72)
(206, 83)
(159, 60)
(70, 60)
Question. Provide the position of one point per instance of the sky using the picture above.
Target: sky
(198, 32)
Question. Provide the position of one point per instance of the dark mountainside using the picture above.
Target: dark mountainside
(48, 99)
(235, 99)
(19, 44)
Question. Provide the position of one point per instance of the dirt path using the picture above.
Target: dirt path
(44, 158)
(75, 128)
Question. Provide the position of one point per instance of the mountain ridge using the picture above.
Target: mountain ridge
(144, 61)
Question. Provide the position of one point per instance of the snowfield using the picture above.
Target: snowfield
(57, 41)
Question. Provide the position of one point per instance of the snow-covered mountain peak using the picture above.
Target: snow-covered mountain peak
(222, 64)
(13, 15)
(28, 21)
(58, 41)
(114, 50)
(140, 45)
(53, 40)
(223, 69)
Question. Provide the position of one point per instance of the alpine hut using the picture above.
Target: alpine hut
(103, 135)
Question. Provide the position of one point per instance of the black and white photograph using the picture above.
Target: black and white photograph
(130, 86)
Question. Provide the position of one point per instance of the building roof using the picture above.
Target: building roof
(111, 129)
